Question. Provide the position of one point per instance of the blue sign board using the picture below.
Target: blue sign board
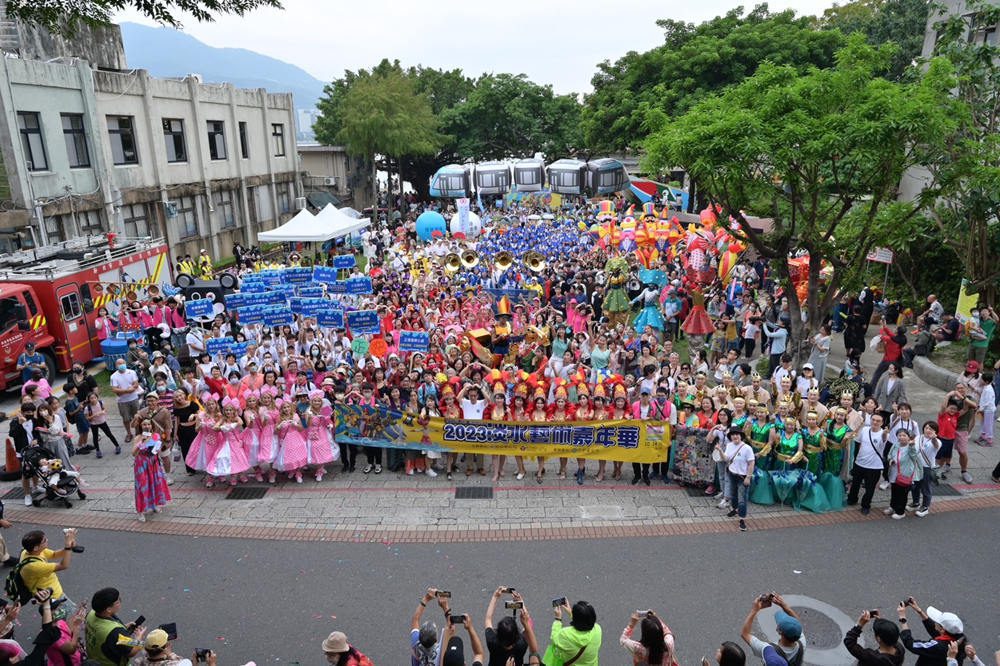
(252, 314)
(414, 341)
(266, 298)
(359, 285)
(270, 276)
(235, 301)
(218, 345)
(344, 261)
(363, 322)
(310, 291)
(297, 275)
(278, 316)
(337, 288)
(253, 287)
(239, 349)
(201, 307)
(330, 318)
(324, 274)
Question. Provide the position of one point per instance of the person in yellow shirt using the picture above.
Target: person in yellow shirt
(40, 572)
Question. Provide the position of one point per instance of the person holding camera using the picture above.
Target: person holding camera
(506, 642)
(424, 645)
(888, 651)
(110, 642)
(40, 564)
(157, 649)
(970, 653)
(789, 646)
(944, 628)
(578, 644)
(454, 653)
(655, 646)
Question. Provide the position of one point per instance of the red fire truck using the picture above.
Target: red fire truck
(51, 296)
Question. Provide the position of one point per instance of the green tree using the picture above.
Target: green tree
(382, 113)
(881, 21)
(693, 62)
(61, 16)
(822, 154)
(967, 218)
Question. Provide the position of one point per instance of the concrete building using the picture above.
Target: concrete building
(329, 170)
(88, 147)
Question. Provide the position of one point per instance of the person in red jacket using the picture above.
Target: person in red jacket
(892, 344)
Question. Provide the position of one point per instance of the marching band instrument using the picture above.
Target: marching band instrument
(533, 261)
(469, 259)
(504, 260)
(452, 262)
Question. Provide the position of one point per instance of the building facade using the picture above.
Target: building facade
(88, 149)
(330, 169)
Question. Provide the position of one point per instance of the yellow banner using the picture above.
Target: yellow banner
(966, 302)
(625, 441)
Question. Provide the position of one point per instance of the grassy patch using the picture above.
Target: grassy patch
(953, 356)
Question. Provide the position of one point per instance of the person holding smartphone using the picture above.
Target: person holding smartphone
(424, 645)
(104, 629)
(578, 644)
(506, 642)
(454, 654)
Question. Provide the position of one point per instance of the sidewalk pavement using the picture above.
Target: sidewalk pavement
(392, 507)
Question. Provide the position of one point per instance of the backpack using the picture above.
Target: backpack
(14, 586)
(797, 660)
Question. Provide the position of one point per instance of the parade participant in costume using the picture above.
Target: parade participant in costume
(503, 328)
(838, 439)
(151, 489)
(320, 447)
(519, 414)
(814, 443)
(697, 324)
(496, 410)
(599, 415)
(251, 431)
(584, 411)
(559, 412)
(208, 439)
(230, 457)
(267, 437)
(620, 411)
(539, 414)
(740, 414)
(788, 457)
(616, 304)
(756, 391)
(650, 300)
(292, 453)
(450, 410)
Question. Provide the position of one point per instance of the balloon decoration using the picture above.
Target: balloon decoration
(475, 226)
(429, 222)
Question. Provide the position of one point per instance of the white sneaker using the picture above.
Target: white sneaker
(723, 503)
(27, 500)
(898, 516)
(921, 513)
(912, 506)
(409, 472)
(966, 477)
(883, 484)
(887, 511)
(142, 517)
(431, 472)
(170, 479)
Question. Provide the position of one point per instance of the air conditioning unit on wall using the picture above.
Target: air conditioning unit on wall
(330, 181)
(300, 203)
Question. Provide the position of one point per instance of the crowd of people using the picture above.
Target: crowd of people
(592, 333)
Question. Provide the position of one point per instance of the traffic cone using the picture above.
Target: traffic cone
(12, 464)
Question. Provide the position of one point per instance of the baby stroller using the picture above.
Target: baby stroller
(55, 482)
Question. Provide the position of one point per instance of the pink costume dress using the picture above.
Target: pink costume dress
(319, 441)
(292, 453)
(251, 437)
(230, 457)
(266, 437)
(205, 443)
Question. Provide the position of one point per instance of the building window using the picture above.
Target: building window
(89, 223)
(135, 221)
(244, 141)
(121, 130)
(284, 198)
(217, 139)
(278, 139)
(70, 304)
(187, 215)
(173, 137)
(31, 140)
(252, 215)
(54, 227)
(76, 140)
(222, 201)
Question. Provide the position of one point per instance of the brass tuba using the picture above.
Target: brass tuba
(533, 261)
(504, 260)
(469, 259)
(452, 262)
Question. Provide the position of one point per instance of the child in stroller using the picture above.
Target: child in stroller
(55, 482)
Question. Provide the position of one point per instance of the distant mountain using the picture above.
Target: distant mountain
(169, 52)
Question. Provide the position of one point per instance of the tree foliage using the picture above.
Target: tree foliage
(881, 21)
(634, 94)
(61, 16)
(967, 218)
(822, 154)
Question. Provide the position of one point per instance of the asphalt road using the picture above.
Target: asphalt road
(274, 602)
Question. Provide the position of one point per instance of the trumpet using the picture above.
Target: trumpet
(504, 260)
(533, 261)
(469, 259)
(452, 262)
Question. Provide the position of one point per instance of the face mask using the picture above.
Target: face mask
(234, 381)
(161, 389)
(121, 368)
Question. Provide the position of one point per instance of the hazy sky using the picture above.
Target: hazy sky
(559, 43)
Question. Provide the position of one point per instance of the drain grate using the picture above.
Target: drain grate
(14, 493)
(247, 493)
(474, 492)
(945, 490)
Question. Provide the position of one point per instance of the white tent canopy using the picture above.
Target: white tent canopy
(329, 223)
